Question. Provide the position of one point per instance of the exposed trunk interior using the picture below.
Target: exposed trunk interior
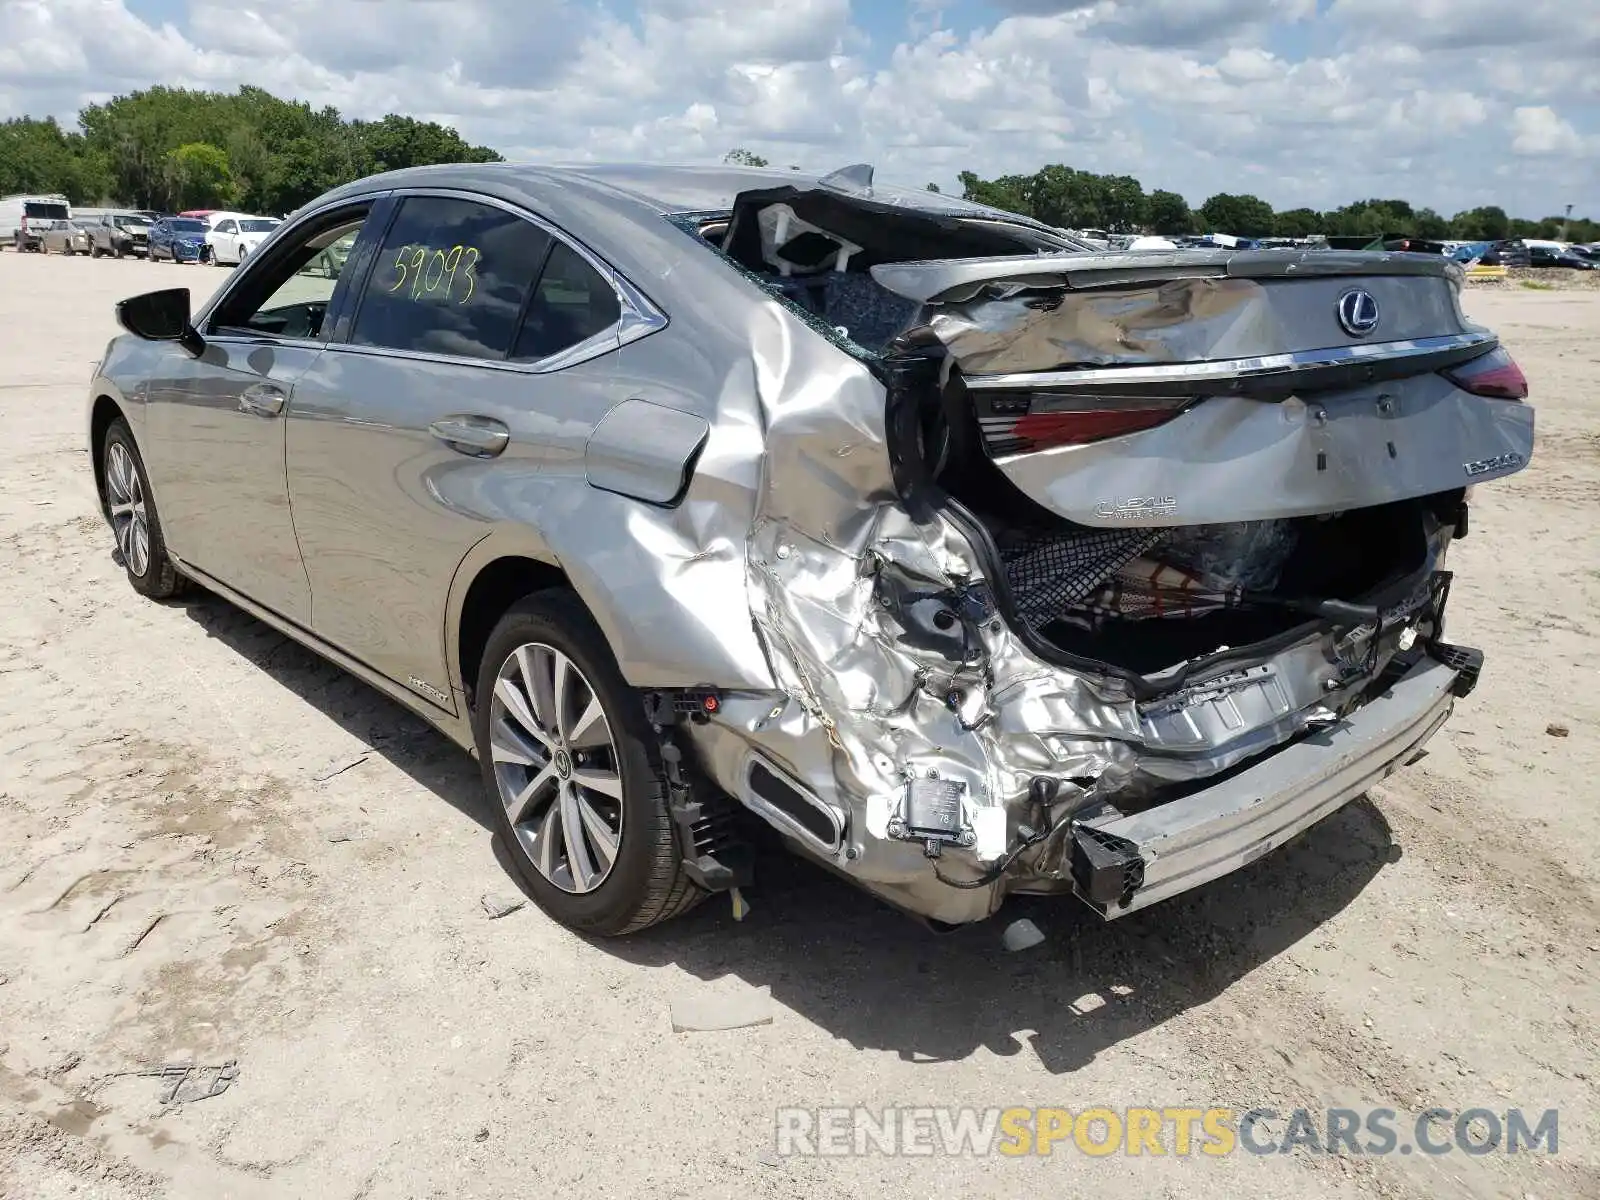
(1146, 600)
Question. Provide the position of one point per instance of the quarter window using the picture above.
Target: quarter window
(452, 277)
(571, 304)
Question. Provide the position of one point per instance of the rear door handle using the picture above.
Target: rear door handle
(481, 437)
(262, 399)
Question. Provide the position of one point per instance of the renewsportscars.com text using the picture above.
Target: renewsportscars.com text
(1178, 1131)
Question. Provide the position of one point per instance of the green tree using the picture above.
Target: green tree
(1168, 213)
(1486, 224)
(933, 187)
(740, 157)
(1008, 193)
(1242, 216)
(198, 176)
(1429, 224)
(37, 156)
(396, 142)
(281, 153)
(1123, 203)
(1298, 223)
(1059, 195)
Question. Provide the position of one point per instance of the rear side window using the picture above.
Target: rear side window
(571, 303)
(452, 277)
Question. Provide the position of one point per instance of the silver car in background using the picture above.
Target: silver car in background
(65, 237)
(970, 559)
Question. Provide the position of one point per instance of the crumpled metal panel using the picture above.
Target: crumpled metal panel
(889, 659)
(1183, 320)
(954, 280)
(1328, 452)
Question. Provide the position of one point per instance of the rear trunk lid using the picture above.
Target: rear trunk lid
(1182, 388)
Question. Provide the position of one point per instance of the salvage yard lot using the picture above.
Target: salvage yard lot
(215, 847)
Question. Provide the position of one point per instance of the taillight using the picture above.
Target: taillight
(1020, 422)
(1494, 374)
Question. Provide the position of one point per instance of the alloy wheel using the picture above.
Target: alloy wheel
(125, 497)
(556, 767)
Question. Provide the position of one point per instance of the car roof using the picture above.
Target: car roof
(622, 211)
(663, 187)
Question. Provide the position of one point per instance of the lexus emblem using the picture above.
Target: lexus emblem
(1358, 312)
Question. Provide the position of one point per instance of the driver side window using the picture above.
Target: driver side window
(288, 296)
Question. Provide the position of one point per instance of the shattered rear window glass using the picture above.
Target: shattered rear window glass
(692, 222)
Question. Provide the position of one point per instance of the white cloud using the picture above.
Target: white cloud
(1537, 130)
(1369, 97)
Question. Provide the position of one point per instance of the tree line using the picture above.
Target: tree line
(1071, 199)
(1059, 195)
(173, 149)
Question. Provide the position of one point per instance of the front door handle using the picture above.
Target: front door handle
(481, 437)
(262, 399)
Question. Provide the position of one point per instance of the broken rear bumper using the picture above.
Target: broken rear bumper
(1123, 863)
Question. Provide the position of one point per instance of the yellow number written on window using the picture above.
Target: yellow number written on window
(449, 276)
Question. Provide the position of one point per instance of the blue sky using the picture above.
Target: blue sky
(1450, 103)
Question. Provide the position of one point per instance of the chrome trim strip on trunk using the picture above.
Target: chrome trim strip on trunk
(1235, 368)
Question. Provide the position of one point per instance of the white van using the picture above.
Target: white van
(17, 212)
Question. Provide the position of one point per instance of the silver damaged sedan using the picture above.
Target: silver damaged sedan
(970, 559)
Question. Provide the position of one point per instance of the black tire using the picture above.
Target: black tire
(159, 579)
(647, 883)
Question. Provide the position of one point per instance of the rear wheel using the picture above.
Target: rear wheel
(573, 772)
(134, 521)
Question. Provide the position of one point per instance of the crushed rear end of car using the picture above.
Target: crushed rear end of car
(1129, 568)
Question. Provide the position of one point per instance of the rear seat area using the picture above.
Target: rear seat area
(870, 315)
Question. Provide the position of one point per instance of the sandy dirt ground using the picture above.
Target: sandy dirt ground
(183, 879)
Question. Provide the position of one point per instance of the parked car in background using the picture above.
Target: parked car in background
(22, 218)
(1560, 256)
(234, 236)
(1510, 253)
(177, 239)
(1005, 572)
(120, 234)
(1413, 245)
(66, 237)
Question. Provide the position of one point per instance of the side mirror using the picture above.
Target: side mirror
(161, 317)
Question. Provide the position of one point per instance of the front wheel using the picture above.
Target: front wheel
(573, 772)
(132, 512)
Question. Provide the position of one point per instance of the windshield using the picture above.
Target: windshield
(186, 225)
(260, 225)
